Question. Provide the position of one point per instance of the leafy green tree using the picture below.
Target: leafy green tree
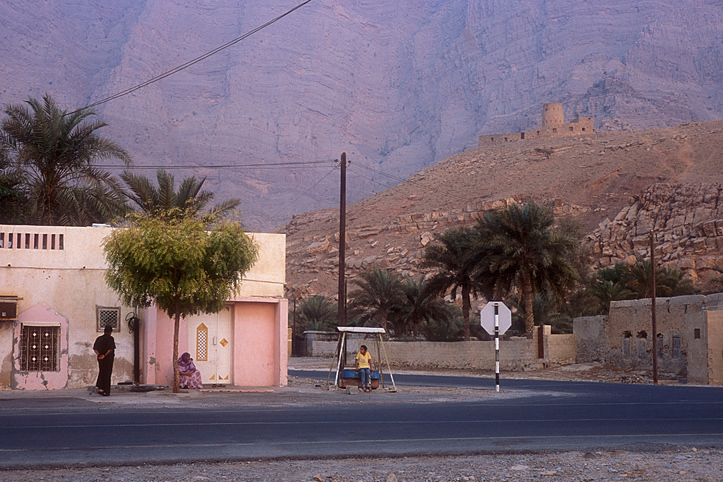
(318, 313)
(453, 256)
(174, 262)
(190, 198)
(52, 154)
(524, 249)
(379, 292)
(421, 305)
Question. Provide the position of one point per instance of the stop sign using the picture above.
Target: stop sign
(487, 317)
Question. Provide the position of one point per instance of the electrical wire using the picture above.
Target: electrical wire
(381, 173)
(368, 178)
(190, 62)
(273, 216)
(270, 165)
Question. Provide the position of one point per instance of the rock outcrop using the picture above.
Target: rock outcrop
(686, 221)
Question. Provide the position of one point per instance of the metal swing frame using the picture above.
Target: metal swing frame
(339, 360)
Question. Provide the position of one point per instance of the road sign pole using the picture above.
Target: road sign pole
(497, 347)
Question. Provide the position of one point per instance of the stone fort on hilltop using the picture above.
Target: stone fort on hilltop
(553, 125)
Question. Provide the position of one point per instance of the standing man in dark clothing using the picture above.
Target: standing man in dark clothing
(104, 348)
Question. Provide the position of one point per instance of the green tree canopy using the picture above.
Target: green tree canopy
(524, 249)
(176, 263)
(190, 198)
(52, 155)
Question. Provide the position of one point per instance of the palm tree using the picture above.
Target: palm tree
(525, 250)
(53, 152)
(454, 260)
(605, 291)
(11, 201)
(422, 305)
(668, 281)
(379, 293)
(189, 199)
(318, 313)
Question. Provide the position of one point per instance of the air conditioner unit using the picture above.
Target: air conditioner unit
(8, 310)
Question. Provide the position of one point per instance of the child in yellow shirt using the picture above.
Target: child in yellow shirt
(363, 365)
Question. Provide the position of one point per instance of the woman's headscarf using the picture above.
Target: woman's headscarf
(185, 363)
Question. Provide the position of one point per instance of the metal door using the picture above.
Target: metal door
(210, 342)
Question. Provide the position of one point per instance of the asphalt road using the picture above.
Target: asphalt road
(547, 416)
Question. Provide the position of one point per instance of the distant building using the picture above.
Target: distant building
(553, 125)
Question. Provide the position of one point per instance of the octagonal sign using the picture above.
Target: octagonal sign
(487, 317)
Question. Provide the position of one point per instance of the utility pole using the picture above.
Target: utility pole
(342, 244)
(652, 294)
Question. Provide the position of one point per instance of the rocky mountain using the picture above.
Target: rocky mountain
(618, 187)
(398, 85)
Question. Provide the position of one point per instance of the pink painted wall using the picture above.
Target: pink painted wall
(260, 341)
(160, 343)
(41, 313)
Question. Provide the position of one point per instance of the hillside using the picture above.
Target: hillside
(397, 85)
(618, 186)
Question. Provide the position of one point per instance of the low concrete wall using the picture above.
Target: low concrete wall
(516, 354)
(590, 338)
(561, 350)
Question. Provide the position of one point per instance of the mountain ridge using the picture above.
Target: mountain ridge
(397, 85)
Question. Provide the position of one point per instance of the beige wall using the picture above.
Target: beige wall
(516, 354)
(705, 348)
(625, 337)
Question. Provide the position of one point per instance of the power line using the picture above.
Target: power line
(190, 62)
(270, 165)
(273, 216)
(352, 168)
(381, 173)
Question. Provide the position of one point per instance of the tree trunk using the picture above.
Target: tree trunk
(529, 302)
(176, 373)
(465, 311)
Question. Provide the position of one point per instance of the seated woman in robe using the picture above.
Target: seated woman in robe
(190, 376)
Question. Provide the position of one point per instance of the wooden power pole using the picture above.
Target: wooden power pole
(342, 243)
(652, 295)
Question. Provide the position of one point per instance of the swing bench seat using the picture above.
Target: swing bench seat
(351, 378)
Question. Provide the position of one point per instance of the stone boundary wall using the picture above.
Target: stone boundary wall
(516, 354)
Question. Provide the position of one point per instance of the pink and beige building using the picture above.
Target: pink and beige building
(54, 302)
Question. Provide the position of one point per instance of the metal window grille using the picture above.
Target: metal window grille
(39, 348)
(108, 317)
(202, 343)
